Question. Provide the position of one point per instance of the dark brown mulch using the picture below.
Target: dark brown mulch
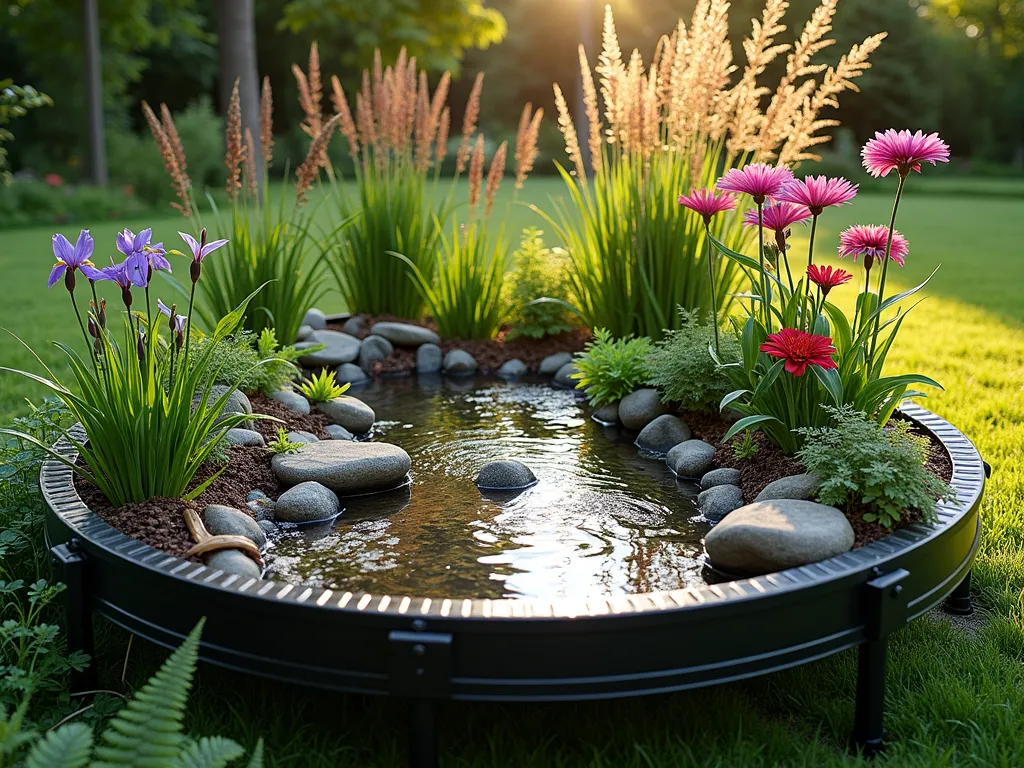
(315, 422)
(160, 522)
(490, 354)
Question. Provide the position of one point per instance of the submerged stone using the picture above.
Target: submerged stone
(505, 475)
(306, 502)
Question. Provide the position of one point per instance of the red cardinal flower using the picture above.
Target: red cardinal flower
(868, 240)
(758, 180)
(827, 278)
(800, 349)
(707, 202)
(819, 193)
(903, 151)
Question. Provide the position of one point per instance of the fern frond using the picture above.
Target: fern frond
(209, 752)
(256, 761)
(147, 732)
(65, 747)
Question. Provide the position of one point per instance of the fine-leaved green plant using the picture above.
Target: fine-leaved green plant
(611, 368)
(538, 272)
(683, 367)
(281, 444)
(864, 466)
(323, 386)
(745, 448)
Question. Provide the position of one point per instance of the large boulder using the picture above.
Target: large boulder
(228, 521)
(344, 466)
(315, 319)
(349, 412)
(640, 408)
(550, 365)
(428, 358)
(374, 349)
(506, 475)
(306, 503)
(338, 348)
(663, 434)
(804, 486)
(718, 501)
(291, 400)
(513, 369)
(773, 535)
(405, 335)
(691, 459)
(459, 362)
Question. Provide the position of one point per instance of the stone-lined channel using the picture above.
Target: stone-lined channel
(603, 520)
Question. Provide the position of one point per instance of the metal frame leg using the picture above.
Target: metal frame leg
(885, 606)
(423, 752)
(69, 567)
(959, 602)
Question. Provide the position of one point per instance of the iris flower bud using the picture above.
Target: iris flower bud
(140, 346)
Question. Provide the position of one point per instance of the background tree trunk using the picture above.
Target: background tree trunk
(236, 28)
(94, 93)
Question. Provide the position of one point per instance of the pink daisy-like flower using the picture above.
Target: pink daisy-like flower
(707, 202)
(818, 193)
(868, 240)
(903, 151)
(827, 278)
(758, 180)
(779, 217)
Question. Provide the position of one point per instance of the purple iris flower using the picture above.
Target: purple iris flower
(71, 258)
(141, 258)
(200, 250)
(121, 274)
(175, 321)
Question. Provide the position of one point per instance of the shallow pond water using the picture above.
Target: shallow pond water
(602, 521)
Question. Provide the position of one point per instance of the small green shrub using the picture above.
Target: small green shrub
(282, 444)
(323, 387)
(745, 448)
(683, 368)
(612, 368)
(538, 272)
(258, 363)
(26, 203)
(864, 465)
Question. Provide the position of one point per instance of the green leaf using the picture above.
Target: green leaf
(210, 752)
(732, 397)
(66, 747)
(230, 322)
(256, 761)
(747, 422)
(768, 379)
(831, 381)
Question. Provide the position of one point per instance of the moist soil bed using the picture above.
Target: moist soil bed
(159, 522)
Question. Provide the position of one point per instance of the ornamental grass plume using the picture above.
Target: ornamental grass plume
(469, 121)
(494, 176)
(800, 349)
(526, 143)
(173, 156)
(234, 154)
(266, 123)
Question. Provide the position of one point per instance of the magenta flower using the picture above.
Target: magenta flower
(778, 217)
(903, 151)
(71, 258)
(869, 240)
(758, 180)
(707, 202)
(818, 193)
(200, 250)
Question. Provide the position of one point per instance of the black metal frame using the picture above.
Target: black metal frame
(427, 650)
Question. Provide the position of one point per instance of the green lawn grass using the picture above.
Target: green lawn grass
(956, 693)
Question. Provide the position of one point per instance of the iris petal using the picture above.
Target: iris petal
(56, 273)
(62, 249)
(83, 248)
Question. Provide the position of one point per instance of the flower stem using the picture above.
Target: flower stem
(188, 326)
(85, 334)
(885, 266)
(810, 261)
(714, 289)
(764, 273)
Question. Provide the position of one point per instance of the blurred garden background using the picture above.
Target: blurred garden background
(953, 66)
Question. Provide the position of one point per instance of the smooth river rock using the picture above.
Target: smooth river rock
(723, 476)
(338, 432)
(428, 359)
(315, 319)
(304, 332)
(459, 362)
(248, 438)
(773, 535)
(306, 502)
(505, 475)
(549, 365)
(338, 348)
(236, 402)
(298, 436)
(374, 349)
(343, 466)
(354, 326)
(663, 434)
(718, 501)
(564, 376)
(234, 561)
(228, 521)
(513, 369)
(606, 414)
(804, 486)
(692, 459)
(293, 401)
(405, 334)
(350, 373)
(349, 412)
(640, 408)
